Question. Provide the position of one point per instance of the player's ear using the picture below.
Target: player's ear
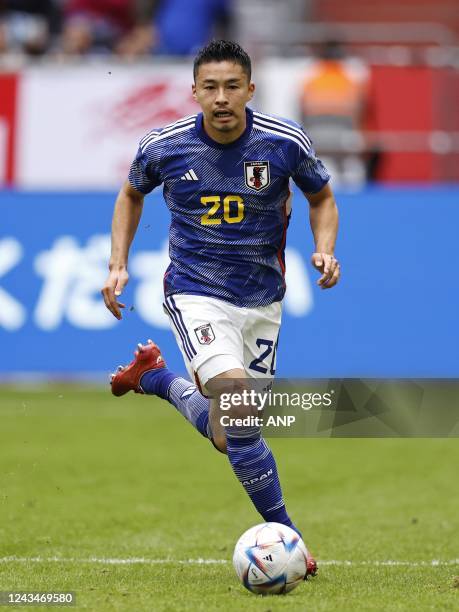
(193, 90)
(251, 90)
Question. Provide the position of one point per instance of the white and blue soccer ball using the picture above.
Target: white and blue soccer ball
(270, 558)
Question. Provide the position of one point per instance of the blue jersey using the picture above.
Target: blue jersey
(229, 203)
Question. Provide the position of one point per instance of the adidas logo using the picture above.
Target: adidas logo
(189, 176)
(268, 558)
(188, 392)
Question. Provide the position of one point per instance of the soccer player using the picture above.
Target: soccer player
(226, 175)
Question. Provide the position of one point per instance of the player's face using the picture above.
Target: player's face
(222, 90)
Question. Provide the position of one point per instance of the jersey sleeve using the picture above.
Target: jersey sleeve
(307, 171)
(144, 172)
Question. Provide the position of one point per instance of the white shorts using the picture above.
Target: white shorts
(214, 336)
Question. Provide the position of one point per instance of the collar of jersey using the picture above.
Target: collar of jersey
(208, 140)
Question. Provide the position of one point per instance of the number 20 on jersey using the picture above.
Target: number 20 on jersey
(233, 210)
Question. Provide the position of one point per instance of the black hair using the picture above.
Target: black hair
(223, 51)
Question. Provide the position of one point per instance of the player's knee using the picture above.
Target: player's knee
(233, 398)
(237, 405)
(226, 386)
(231, 378)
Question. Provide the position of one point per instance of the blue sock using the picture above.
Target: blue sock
(180, 393)
(253, 463)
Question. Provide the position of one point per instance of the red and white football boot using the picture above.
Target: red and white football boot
(127, 378)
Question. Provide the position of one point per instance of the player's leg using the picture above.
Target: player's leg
(148, 374)
(203, 331)
(260, 333)
(250, 456)
(208, 338)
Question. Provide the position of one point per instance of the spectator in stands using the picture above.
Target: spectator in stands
(27, 25)
(95, 26)
(176, 27)
(334, 107)
(334, 90)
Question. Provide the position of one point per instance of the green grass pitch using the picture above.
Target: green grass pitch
(86, 479)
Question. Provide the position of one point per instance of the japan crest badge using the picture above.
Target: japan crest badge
(257, 174)
(205, 334)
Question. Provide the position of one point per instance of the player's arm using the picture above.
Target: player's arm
(126, 217)
(323, 216)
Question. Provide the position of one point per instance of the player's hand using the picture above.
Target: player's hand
(329, 268)
(114, 285)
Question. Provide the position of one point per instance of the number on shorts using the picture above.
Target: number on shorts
(255, 364)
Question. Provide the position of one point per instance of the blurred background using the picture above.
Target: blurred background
(376, 86)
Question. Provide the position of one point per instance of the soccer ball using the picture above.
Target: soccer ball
(270, 558)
